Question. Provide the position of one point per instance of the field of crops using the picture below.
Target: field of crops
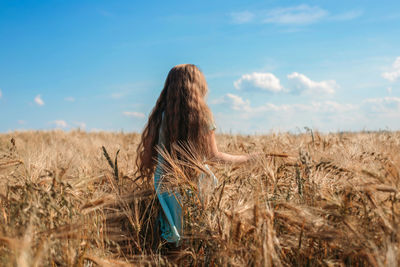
(334, 201)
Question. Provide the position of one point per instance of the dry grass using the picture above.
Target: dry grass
(333, 202)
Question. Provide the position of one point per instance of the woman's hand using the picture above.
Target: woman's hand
(216, 155)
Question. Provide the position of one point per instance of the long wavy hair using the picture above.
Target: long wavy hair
(186, 116)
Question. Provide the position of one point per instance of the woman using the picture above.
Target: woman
(180, 116)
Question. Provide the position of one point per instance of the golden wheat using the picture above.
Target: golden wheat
(314, 199)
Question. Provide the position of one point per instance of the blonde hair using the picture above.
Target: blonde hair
(186, 117)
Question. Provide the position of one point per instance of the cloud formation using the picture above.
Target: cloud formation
(134, 114)
(301, 83)
(383, 105)
(370, 113)
(38, 100)
(292, 15)
(60, 123)
(237, 103)
(264, 81)
(302, 14)
(395, 73)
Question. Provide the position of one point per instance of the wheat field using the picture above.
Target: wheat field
(334, 201)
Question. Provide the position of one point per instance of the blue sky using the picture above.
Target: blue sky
(270, 65)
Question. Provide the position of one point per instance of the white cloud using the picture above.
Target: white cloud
(134, 114)
(382, 113)
(237, 103)
(265, 81)
(69, 99)
(60, 123)
(239, 115)
(292, 15)
(395, 73)
(300, 15)
(389, 90)
(38, 100)
(301, 83)
(332, 107)
(383, 105)
(321, 115)
(242, 17)
(21, 122)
